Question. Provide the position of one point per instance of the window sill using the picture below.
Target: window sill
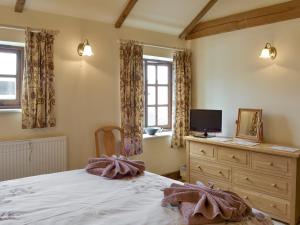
(158, 135)
(10, 110)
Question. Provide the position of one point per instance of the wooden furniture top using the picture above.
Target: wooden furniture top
(262, 148)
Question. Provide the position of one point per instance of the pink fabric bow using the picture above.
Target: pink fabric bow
(115, 167)
(203, 205)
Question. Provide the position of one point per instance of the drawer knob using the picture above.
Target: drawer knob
(274, 185)
(246, 197)
(220, 172)
(199, 167)
(246, 178)
(233, 156)
(270, 164)
(202, 151)
(273, 205)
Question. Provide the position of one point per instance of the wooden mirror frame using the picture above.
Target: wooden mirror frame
(259, 137)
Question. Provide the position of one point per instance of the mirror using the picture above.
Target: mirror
(249, 125)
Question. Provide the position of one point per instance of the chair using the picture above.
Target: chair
(109, 140)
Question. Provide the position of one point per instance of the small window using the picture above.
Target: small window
(11, 70)
(158, 93)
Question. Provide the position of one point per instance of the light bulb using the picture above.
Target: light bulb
(87, 51)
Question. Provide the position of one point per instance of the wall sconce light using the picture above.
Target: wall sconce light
(269, 52)
(84, 49)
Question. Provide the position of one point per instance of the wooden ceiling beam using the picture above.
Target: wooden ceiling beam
(195, 21)
(125, 13)
(266, 15)
(19, 7)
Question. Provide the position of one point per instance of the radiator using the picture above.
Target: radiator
(32, 157)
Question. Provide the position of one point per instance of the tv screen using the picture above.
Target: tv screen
(203, 120)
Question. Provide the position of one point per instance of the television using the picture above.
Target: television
(204, 120)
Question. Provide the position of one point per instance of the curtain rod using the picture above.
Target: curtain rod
(153, 45)
(11, 27)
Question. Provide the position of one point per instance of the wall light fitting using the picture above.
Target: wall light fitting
(84, 49)
(269, 52)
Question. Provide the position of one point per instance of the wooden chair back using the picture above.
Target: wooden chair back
(109, 140)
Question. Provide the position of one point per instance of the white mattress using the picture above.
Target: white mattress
(78, 198)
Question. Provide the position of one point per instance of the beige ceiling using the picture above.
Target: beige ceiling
(167, 16)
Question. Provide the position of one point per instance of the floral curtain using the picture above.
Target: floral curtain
(132, 96)
(38, 94)
(183, 76)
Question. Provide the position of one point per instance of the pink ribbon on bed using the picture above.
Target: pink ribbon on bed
(115, 167)
(204, 205)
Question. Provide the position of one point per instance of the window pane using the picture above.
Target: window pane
(162, 75)
(151, 96)
(162, 116)
(151, 116)
(162, 93)
(8, 63)
(8, 88)
(151, 75)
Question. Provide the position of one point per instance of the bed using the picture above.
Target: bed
(78, 198)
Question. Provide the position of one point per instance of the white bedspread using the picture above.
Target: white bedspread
(78, 198)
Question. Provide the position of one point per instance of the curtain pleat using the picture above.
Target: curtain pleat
(132, 97)
(183, 79)
(38, 93)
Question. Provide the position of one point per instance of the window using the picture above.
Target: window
(11, 70)
(158, 93)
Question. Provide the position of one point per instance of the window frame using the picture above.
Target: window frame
(19, 51)
(157, 63)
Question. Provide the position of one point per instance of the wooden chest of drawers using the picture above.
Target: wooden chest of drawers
(267, 179)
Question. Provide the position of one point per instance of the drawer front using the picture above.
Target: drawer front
(274, 206)
(202, 150)
(210, 181)
(233, 156)
(219, 171)
(269, 184)
(273, 164)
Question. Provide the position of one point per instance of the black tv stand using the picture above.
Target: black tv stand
(205, 135)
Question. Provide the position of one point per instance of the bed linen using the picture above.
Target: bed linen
(79, 198)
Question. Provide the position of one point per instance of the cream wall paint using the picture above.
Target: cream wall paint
(169, 159)
(87, 89)
(228, 74)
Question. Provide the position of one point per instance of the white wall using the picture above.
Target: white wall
(228, 74)
(87, 89)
